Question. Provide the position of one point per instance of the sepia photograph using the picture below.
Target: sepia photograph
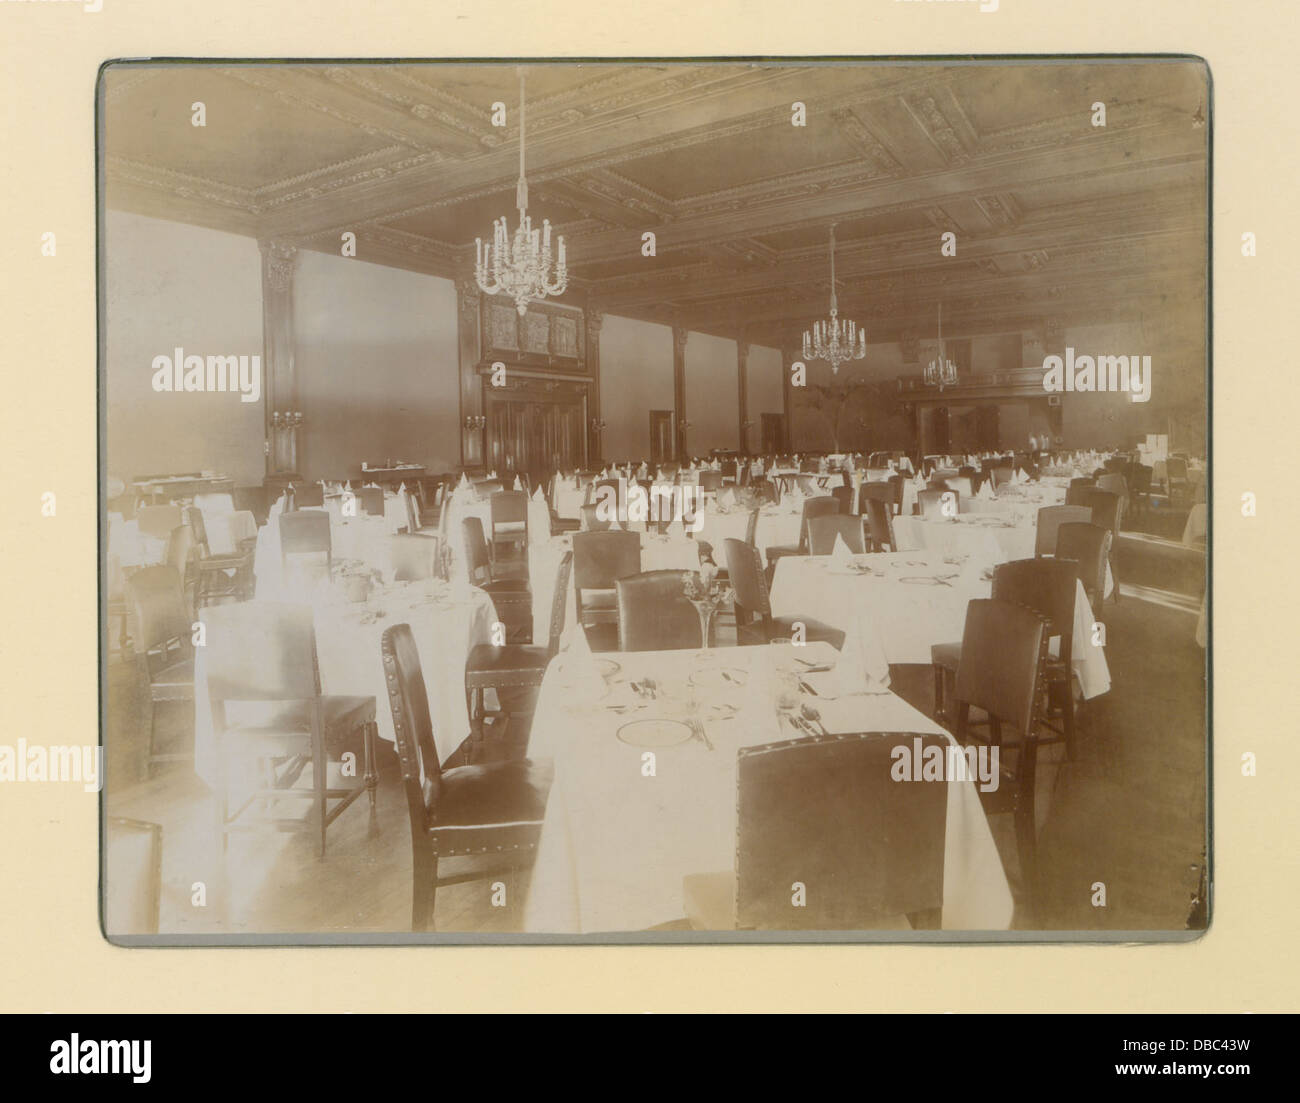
(762, 499)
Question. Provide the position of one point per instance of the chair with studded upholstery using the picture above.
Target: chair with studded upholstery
(220, 576)
(513, 667)
(510, 596)
(162, 645)
(754, 620)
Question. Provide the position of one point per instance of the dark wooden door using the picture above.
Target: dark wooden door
(772, 431)
(535, 436)
(663, 441)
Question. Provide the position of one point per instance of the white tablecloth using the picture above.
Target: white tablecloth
(1198, 520)
(348, 638)
(903, 612)
(615, 845)
(363, 538)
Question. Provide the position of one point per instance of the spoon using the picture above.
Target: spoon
(813, 716)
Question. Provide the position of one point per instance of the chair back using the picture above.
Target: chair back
(844, 496)
(1002, 474)
(931, 503)
(1002, 652)
(828, 814)
(372, 500)
(412, 726)
(476, 548)
(309, 496)
(1047, 586)
(508, 507)
(883, 491)
(1176, 468)
(413, 523)
(814, 507)
(745, 572)
(1078, 487)
(559, 602)
(591, 519)
(962, 485)
(1142, 478)
(896, 485)
(158, 521)
(260, 651)
(822, 532)
(1050, 519)
(766, 490)
(710, 482)
(180, 549)
(305, 532)
(1088, 546)
(881, 525)
(601, 558)
(751, 527)
(654, 613)
(1115, 484)
(413, 556)
(1107, 509)
(157, 601)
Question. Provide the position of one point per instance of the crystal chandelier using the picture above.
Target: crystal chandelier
(520, 268)
(940, 372)
(833, 340)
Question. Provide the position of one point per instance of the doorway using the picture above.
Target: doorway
(663, 438)
(771, 434)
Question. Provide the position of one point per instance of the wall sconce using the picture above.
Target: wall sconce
(475, 421)
(685, 425)
(287, 419)
(747, 425)
(597, 425)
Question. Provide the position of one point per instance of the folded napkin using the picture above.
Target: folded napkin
(841, 556)
(728, 499)
(538, 496)
(862, 667)
(518, 485)
(464, 481)
(985, 492)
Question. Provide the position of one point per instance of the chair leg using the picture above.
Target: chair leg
(371, 733)
(424, 888)
(938, 691)
(149, 749)
(1067, 720)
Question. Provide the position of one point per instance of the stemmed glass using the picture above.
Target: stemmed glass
(703, 590)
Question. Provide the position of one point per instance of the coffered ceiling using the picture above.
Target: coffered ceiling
(1055, 218)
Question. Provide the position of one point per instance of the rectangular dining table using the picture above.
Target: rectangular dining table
(616, 844)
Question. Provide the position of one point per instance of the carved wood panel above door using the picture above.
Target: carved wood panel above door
(546, 337)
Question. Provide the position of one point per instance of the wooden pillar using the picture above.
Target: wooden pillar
(472, 421)
(595, 427)
(788, 357)
(283, 416)
(680, 334)
(742, 394)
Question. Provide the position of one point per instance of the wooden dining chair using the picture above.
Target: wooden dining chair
(843, 495)
(827, 813)
(224, 575)
(1088, 547)
(489, 809)
(592, 519)
(961, 485)
(1050, 519)
(929, 504)
(511, 597)
(309, 496)
(158, 521)
(654, 613)
(306, 532)
(1078, 488)
(812, 507)
(371, 500)
(1108, 512)
(180, 557)
(896, 486)
(754, 620)
(513, 667)
(1002, 474)
(1003, 657)
(822, 532)
(599, 560)
(880, 526)
(414, 556)
(163, 634)
(508, 516)
(261, 658)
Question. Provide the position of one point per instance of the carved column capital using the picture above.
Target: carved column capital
(279, 259)
(680, 333)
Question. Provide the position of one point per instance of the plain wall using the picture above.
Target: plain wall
(712, 394)
(168, 285)
(377, 362)
(636, 376)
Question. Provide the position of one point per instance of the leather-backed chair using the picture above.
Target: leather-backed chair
(306, 532)
(508, 513)
(308, 496)
(513, 666)
(1088, 546)
(158, 521)
(1003, 656)
(1108, 512)
(812, 507)
(262, 655)
(1002, 474)
(180, 557)
(599, 560)
(371, 500)
(414, 556)
(495, 808)
(510, 596)
(827, 813)
(1078, 488)
(654, 613)
(228, 575)
(754, 620)
(961, 485)
(163, 646)
(844, 496)
(929, 504)
(822, 532)
(1050, 519)
(880, 525)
